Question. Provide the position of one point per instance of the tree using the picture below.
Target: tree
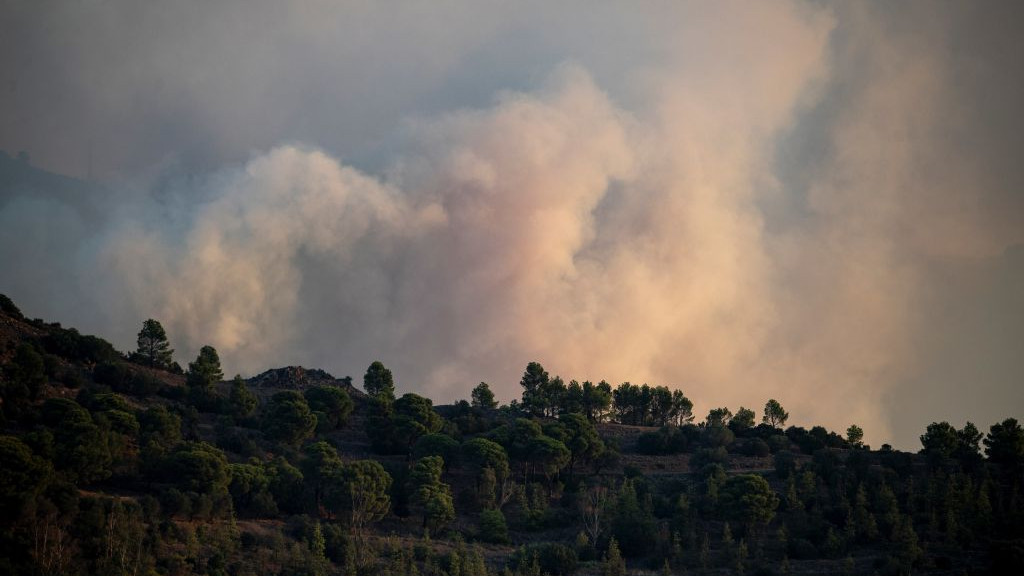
(855, 436)
(629, 404)
(743, 420)
(553, 393)
(331, 401)
(429, 494)
(572, 402)
(593, 506)
(1005, 444)
(682, 409)
(970, 436)
(718, 417)
(23, 476)
(287, 418)
(483, 397)
(367, 486)
(378, 382)
(631, 523)
(939, 442)
(549, 558)
(597, 399)
(203, 375)
(322, 471)
(516, 438)
(774, 415)
(243, 402)
(493, 528)
(199, 467)
(548, 454)
(414, 417)
(660, 406)
(153, 348)
(285, 483)
(159, 430)
(23, 378)
(205, 372)
(581, 439)
(748, 498)
(436, 444)
(534, 380)
(613, 564)
(81, 448)
(482, 453)
(380, 426)
(250, 489)
(906, 552)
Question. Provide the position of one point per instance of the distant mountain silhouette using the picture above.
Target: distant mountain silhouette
(19, 178)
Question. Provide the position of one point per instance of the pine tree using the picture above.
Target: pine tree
(317, 549)
(378, 382)
(242, 400)
(613, 564)
(907, 549)
(153, 348)
(483, 397)
(203, 374)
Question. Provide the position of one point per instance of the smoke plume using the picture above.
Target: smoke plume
(779, 200)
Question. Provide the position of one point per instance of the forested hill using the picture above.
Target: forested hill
(141, 463)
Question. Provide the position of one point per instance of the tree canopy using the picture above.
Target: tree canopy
(774, 415)
(102, 472)
(332, 402)
(287, 418)
(378, 382)
(483, 397)
(153, 348)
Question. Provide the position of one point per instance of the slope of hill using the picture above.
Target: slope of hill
(114, 463)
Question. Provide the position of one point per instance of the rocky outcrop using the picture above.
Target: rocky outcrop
(299, 378)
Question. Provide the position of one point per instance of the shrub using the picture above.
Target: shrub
(753, 447)
(706, 456)
(124, 379)
(554, 559)
(777, 443)
(666, 440)
(492, 527)
(74, 346)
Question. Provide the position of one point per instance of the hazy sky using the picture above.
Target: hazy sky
(820, 203)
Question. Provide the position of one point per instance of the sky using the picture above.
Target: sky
(819, 203)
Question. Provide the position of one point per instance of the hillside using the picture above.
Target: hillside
(127, 463)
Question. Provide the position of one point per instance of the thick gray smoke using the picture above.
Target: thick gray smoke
(743, 201)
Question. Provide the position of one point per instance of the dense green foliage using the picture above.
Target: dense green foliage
(287, 418)
(330, 404)
(109, 467)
